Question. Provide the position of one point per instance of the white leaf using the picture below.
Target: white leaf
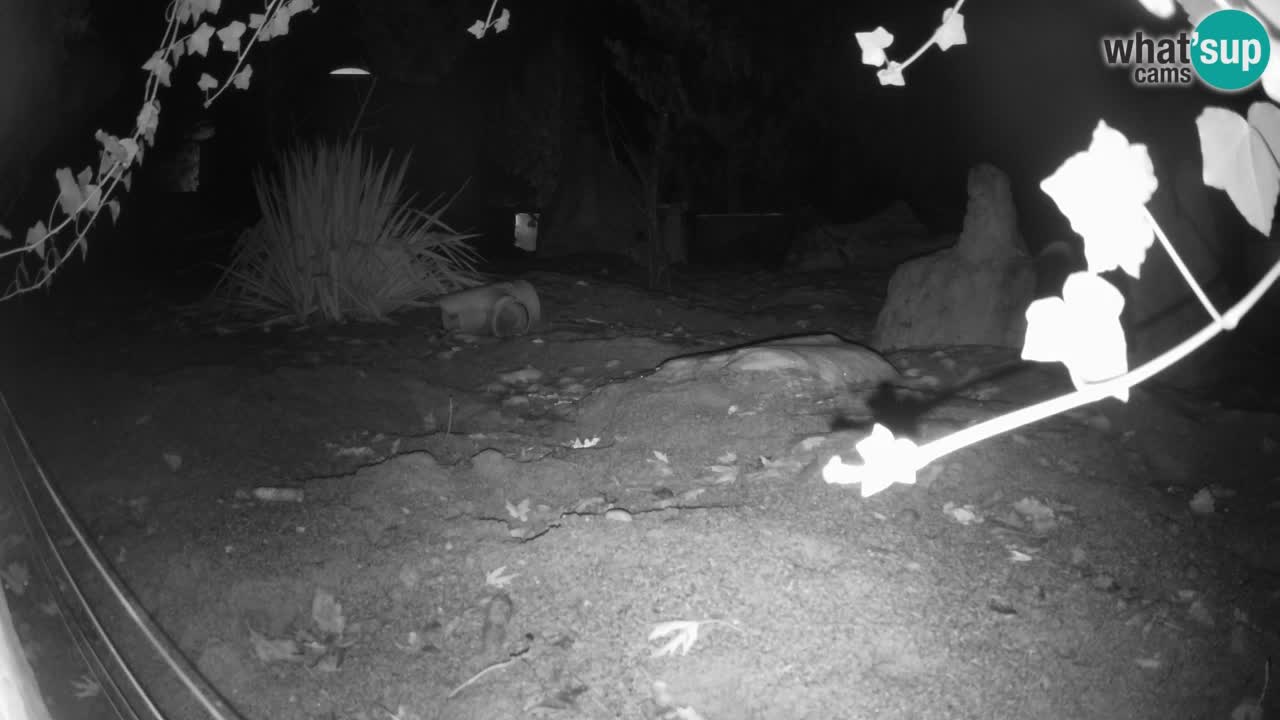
(36, 235)
(85, 687)
(241, 80)
(519, 512)
(1081, 329)
(886, 460)
(199, 41)
(92, 198)
(873, 45)
(157, 66)
(1162, 9)
(496, 578)
(69, 197)
(1238, 159)
(951, 32)
(891, 75)
(1103, 191)
(230, 36)
(684, 634)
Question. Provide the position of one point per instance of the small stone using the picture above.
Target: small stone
(618, 515)
(907, 516)
(173, 460)
(1199, 612)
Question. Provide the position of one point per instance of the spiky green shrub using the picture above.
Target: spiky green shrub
(339, 240)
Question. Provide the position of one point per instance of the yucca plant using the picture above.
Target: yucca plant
(339, 240)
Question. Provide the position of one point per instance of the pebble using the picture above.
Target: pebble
(617, 515)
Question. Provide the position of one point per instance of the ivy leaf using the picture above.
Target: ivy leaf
(114, 207)
(157, 66)
(69, 197)
(199, 40)
(148, 119)
(886, 460)
(189, 10)
(951, 32)
(113, 153)
(241, 80)
(299, 6)
(206, 82)
(1103, 191)
(280, 22)
(1238, 159)
(230, 36)
(256, 20)
(131, 151)
(1081, 329)
(35, 238)
(477, 29)
(891, 74)
(503, 21)
(873, 45)
(84, 178)
(92, 198)
(4, 233)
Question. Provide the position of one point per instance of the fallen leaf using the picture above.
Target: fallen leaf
(496, 578)
(326, 612)
(684, 634)
(268, 650)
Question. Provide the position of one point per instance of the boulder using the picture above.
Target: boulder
(975, 293)
(892, 235)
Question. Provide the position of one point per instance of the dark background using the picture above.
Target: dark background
(779, 114)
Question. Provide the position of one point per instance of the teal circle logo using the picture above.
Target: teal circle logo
(1231, 49)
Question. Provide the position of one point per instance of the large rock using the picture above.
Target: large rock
(892, 235)
(975, 293)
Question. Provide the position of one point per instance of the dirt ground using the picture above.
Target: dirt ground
(494, 529)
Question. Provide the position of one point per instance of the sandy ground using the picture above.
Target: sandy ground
(456, 554)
